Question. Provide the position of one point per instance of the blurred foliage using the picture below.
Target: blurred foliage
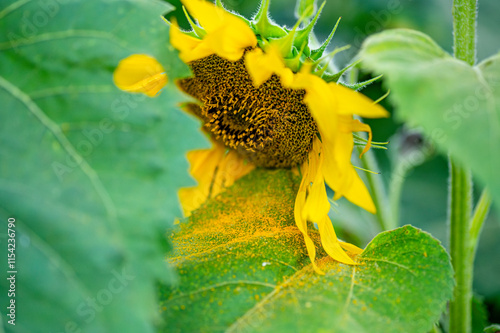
(89, 172)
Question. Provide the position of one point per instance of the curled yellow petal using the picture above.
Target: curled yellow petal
(358, 126)
(140, 73)
(302, 225)
(227, 35)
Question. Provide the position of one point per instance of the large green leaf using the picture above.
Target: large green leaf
(456, 105)
(90, 173)
(243, 267)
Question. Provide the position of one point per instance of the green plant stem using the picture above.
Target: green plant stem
(460, 208)
(464, 33)
(464, 30)
(480, 214)
(395, 189)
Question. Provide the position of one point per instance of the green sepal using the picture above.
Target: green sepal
(318, 53)
(359, 85)
(327, 59)
(263, 25)
(335, 77)
(198, 31)
(285, 44)
(305, 9)
(295, 62)
(302, 35)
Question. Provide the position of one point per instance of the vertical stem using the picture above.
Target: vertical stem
(464, 33)
(464, 30)
(460, 210)
(395, 189)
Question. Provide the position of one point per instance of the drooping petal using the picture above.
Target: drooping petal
(336, 127)
(317, 205)
(331, 243)
(341, 176)
(140, 73)
(227, 35)
(302, 224)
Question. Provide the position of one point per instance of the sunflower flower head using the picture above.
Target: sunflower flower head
(267, 99)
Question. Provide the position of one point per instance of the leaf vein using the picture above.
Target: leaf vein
(65, 144)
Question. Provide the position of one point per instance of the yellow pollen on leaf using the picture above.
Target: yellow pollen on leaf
(140, 73)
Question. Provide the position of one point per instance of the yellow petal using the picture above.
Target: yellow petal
(335, 126)
(203, 165)
(214, 170)
(262, 65)
(190, 48)
(227, 35)
(208, 15)
(302, 225)
(347, 183)
(231, 168)
(140, 73)
(357, 193)
(338, 171)
(330, 242)
(317, 205)
(320, 102)
(352, 102)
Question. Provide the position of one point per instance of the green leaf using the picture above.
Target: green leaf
(243, 267)
(456, 105)
(234, 252)
(90, 173)
(305, 9)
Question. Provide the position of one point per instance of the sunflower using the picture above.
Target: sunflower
(265, 95)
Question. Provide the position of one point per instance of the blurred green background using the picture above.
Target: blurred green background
(424, 196)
